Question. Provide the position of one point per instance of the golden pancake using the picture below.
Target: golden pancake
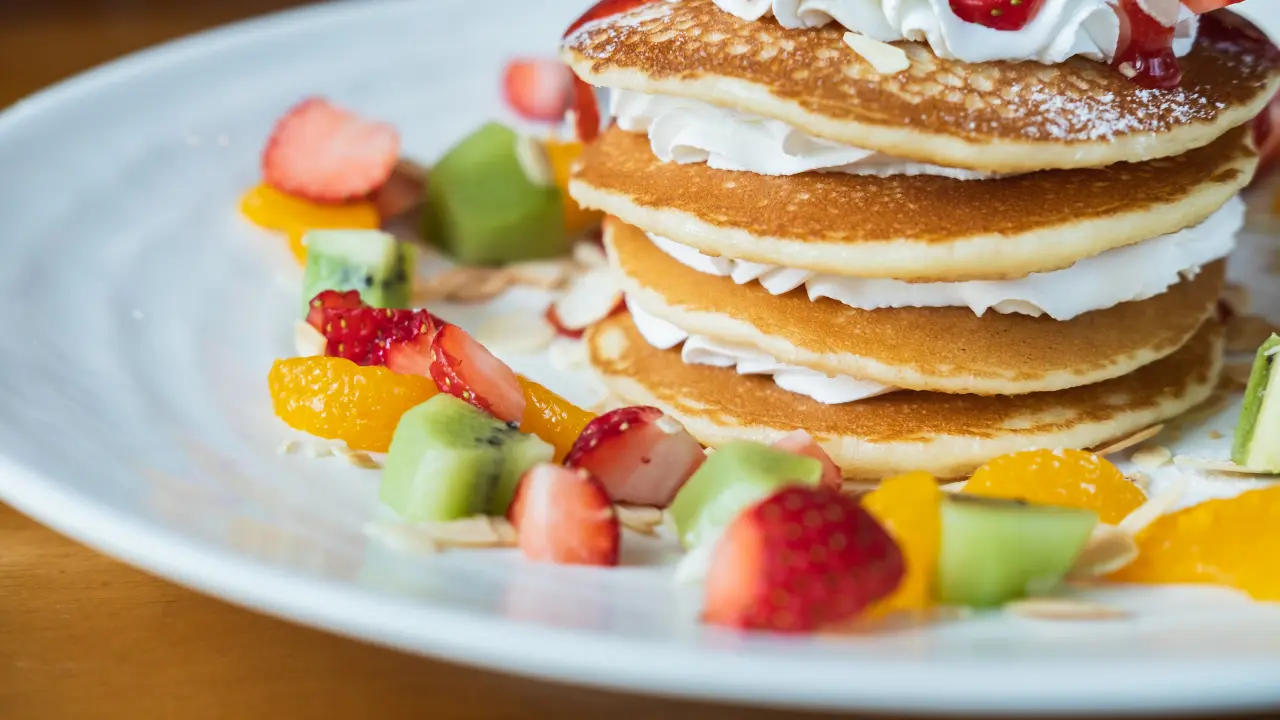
(911, 227)
(947, 435)
(941, 349)
(999, 116)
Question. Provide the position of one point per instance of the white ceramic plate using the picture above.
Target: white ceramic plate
(140, 315)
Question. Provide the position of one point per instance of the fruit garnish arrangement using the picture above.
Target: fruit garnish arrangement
(478, 456)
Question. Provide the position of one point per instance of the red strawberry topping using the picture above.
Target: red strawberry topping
(332, 300)
(800, 560)
(325, 154)
(802, 443)
(539, 90)
(363, 335)
(641, 456)
(997, 14)
(564, 516)
(465, 369)
(585, 107)
(1144, 53)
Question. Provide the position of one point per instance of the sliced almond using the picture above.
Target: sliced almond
(288, 447)
(885, 58)
(589, 255)
(402, 537)
(489, 283)
(308, 341)
(545, 274)
(1152, 457)
(1110, 548)
(1063, 609)
(1142, 480)
(519, 333)
(1133, 440)
(318, 450)
(533, 159)
(1246, 332)
(1222, 466)
(592, 297)
(644, 520)
(475, 532)
(1152, 509)
(358, 458)
(954, 487)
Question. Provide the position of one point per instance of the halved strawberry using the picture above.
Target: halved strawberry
(564, 516)
(325, 154)
(586, 111)
(464, 368)
(997, 14)
(412, 356)
(331, 300)
(538, 89)
(362, 335)
(641, 456)
(802, 443)
(799, 560)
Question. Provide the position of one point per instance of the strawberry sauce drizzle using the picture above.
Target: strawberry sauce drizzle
(1145, 54)
(585, 107)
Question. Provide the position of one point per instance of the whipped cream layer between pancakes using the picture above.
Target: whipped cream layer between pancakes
(1126, 274)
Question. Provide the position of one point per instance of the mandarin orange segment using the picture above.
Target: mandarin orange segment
(909, 508)
(1228, 542)
(1066, 478)
(563, 154)
(271, 209)
(336, 399)
(552, 418)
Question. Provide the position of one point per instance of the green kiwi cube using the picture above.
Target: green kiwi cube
(370, 261)
(1257, 438)
(734, 477)
(484, 206)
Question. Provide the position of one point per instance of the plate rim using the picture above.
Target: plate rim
(485, 642)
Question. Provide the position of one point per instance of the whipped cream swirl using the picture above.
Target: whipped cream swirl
(699, 350)
(1060, 30)
(1126, 274)
(688, 131)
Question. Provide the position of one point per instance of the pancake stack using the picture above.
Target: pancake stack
(923, 261)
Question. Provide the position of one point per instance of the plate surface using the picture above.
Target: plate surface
(142, 315)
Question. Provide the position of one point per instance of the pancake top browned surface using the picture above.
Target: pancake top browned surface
(1077, 101)
(938, 341)
(841, 208)
(725, 397)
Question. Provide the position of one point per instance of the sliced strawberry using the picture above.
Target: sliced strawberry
(604, 9)
(641, 456)
(997, 14)
(325, 154)
(412, 356)
(553, 319)
(800, 560)
(1201, 7)
(564, 516)
(464, 368)
(331, 300)
(362, 335)
(802, 443)
(538, 89)
(1266, 136)
(586, 111)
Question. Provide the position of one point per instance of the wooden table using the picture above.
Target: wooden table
(82, 636)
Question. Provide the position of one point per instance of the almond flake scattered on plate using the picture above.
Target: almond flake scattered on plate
(1152, 457)
(544, 274)
(589, 255)
(1063, 609)
(475, 532)
(1135, 439)
(358, 458)
(1152, 509)
(1222, 466)
(1110, 548)
(592, 297)
(644, 520)
(288, 447)
(518, 333)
